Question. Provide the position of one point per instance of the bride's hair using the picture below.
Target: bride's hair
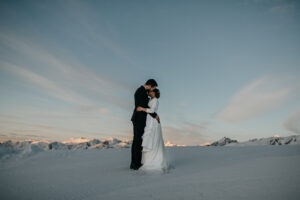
(157, 93)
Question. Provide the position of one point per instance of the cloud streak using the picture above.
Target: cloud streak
(16, 129)
(41, 84)
(259, 97)
(64, 77)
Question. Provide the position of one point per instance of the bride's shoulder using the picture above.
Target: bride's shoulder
(154, 99)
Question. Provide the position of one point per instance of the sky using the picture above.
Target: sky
(224, 68)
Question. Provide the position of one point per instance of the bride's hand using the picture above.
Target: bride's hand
(157, 118)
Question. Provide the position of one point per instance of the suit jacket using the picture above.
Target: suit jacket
(141, 99)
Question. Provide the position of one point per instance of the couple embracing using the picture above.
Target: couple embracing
(148, 151)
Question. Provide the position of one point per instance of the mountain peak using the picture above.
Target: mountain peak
(223, 141)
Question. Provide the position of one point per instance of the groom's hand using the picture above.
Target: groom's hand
(157, 118)
(139, 109)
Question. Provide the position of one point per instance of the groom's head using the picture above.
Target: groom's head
(150, 84)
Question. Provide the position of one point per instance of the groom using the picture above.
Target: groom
(139, 122)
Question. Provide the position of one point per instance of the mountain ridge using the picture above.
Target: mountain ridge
(274, 140)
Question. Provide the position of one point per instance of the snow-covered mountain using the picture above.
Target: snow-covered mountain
(275, 140)
(70, 144)
(28, 146)
(222, 142)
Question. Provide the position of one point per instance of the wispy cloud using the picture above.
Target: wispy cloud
(261, 96)
(283, 8)
(41, 83)
(17, 126)
(293, 122)
(278, 6)
(66, 79)
(18, 129)
(54, 72)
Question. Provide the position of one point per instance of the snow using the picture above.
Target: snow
(199, 172)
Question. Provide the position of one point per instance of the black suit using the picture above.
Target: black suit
(139, 122)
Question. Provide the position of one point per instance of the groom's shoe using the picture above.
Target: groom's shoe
(131, 165)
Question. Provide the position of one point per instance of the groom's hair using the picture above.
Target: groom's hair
(151, 82)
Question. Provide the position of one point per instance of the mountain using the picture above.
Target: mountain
(28, 146)
(222, 142)
(275, 140)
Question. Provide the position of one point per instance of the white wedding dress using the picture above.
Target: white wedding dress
(154, 155)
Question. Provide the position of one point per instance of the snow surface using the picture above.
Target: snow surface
(199, 172)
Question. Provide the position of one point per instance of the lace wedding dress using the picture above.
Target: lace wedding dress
(154, 155)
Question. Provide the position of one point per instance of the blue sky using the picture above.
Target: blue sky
(224, 68)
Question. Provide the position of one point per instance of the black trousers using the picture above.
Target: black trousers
(136, 148)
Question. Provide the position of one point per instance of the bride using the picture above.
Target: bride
(154, 156)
